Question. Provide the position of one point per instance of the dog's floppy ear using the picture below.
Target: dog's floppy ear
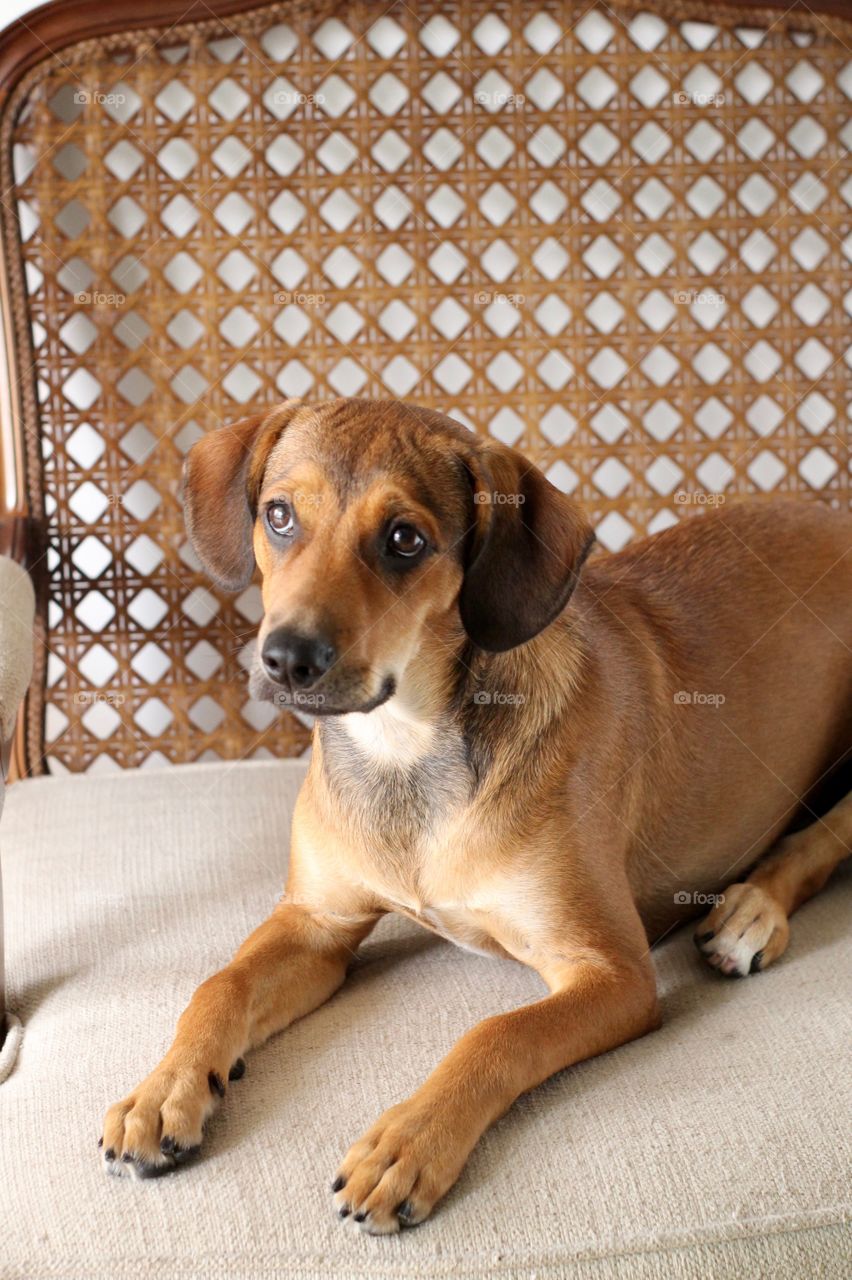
(526, 551)
(221, 479)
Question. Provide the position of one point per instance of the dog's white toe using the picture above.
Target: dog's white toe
(744, 933)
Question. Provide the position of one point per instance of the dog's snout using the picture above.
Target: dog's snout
(297, 660)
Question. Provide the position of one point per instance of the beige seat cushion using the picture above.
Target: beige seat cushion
(16, 641)
(718, 1147)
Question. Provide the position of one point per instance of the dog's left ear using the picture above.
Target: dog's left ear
(222, 475)
(528, 546)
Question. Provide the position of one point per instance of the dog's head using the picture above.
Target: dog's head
(376, 526)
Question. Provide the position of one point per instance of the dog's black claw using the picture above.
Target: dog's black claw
(109, 1154)
(127, 1158)
(344, 1211)
(404, 1211)
(238, 1070)
(100, 1143)
(185, 1153)
(170, 1147)
(339, 1183)
(144, 1170)
(359, 1216)
(215, 1082)
(700, 938)
(756, 962)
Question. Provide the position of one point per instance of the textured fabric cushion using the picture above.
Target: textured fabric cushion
(718, 1147)
(17, 606)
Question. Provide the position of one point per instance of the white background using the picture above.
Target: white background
(14, 9)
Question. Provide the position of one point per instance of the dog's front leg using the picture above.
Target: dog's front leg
(408, 1160)
(292, 963)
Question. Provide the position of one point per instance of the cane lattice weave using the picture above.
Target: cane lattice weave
(619, 241)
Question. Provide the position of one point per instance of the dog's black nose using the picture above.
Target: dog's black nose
(297, 660)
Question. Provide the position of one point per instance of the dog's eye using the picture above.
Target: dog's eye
(405, 540)
(279, 517)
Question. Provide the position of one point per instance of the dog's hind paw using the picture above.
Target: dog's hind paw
(744, 933)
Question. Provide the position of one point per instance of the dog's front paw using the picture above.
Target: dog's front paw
(744, 933)
(160, 1124)
(400, 1169)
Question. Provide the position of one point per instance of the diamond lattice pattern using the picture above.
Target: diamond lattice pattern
(620, 244)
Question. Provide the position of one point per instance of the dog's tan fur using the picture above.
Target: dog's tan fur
(552, 779)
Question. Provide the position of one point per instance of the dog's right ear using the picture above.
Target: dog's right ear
(221, 480)
(528, 545)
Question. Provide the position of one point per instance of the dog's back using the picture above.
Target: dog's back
(751, 607)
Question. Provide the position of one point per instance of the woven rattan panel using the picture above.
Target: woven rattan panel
(619, 242)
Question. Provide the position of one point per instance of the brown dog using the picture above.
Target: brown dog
(527, 759)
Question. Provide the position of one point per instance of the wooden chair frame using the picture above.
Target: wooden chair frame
(42, 35)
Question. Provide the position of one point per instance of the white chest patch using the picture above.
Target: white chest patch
(391, 735)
